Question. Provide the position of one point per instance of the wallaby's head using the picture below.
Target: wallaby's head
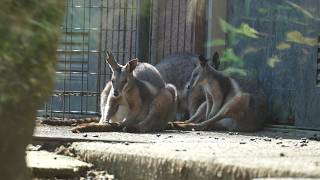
(121, 74)
(200, 73)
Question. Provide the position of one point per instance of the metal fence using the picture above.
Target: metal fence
(91, 27)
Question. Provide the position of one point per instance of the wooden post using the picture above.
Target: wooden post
(216, 9)
(143, 28)
(200, 27)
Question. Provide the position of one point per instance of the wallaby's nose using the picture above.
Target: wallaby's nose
(115, 93)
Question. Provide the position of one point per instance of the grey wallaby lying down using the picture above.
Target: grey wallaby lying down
(176, 69)
(227, 107)
(135, 100)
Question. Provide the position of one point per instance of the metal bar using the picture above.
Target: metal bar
(171, 25)
(131, 44)
(143, 30)
(83, 56)
(88, 55)
(73, 112)
(164, 27)
(178, 35)
(99, 60)
(105, 46)
(185, 26)
(124, 27)
(69, 103)
(150, 33)
(118, 39)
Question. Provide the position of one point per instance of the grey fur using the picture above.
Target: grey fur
(177, 69)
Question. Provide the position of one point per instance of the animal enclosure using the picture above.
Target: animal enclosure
(91, 27)
(275, 44)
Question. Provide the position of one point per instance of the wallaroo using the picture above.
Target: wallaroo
(227, 107)
(176, 69)
(136, 99)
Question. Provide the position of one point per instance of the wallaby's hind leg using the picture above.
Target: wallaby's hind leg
(103, 101)
(234, 109)
(97, 127)
(199, 115)
(161, 111)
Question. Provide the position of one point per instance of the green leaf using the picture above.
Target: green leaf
(273, 61)
(243, 30)
(283, 46)
(297, 37)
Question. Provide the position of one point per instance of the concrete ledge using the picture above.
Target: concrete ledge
(48, 165)
(271, 153)
(204, 155)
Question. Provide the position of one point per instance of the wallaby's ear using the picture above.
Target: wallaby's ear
(111, 61)
(216, 60)
(202, 60)
(131, 65)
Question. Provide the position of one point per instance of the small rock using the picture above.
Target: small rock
(233, 133)
(158, 135)
(170, 136)
(279, 142)
(216, 138)
(283, 145)
(95, 135)
(55, 158)
(210, 137)
(243, 143)
(85, 135)
(282, 155)
(198, 133)
(304, 144)
(252, 139)
(267, 139)
(126, 143)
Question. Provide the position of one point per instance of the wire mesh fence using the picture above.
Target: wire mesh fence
(90, 28)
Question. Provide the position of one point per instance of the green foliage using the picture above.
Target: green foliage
(244, 29)
(29, 31)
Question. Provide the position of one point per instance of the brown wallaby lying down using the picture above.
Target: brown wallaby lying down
(136, 100)
(176, 69)
(227, 107)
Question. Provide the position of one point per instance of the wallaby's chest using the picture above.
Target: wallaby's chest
(213, 91)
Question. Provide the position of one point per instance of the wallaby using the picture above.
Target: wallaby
(137, 100)
(227, 107)
(176, 69)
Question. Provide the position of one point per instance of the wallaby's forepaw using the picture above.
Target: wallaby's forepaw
(96, 127)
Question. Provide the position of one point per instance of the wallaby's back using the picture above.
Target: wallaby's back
(148, 73)
(176, 69)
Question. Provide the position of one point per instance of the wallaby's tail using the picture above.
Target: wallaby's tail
(66, 122)
(173, 91)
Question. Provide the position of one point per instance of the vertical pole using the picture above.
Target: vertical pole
(200, 25)
(217, 10)
(143, 15)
